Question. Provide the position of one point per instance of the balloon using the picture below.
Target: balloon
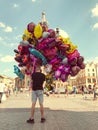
(64, 61)
(38, 55)
(34, 60)
(72, 48)
(73, 61)
(25, 59)
(38, 31)
(18, 58)
(74, 70)
(55, 61)
(27, 35)
(21, 64)
(45, 47)
(64, 77)
(66, 70)
(24, 43)
(45, 34)
(28, 70)
(57, 74)
(30, 27)
(50, 53)
(16, 51)
(82, 66)
(80, 60)
(52, 33)
(18, 72)
(73, 55)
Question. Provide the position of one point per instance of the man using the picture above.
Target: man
(95, 91)
(38, 79)
(2, 87)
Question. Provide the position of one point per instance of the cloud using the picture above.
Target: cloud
(2, 25)
(95, 26)
(15, 5)
(7, 58)
(33, 0)
(95, 11)
(1, 39)
(6, 28)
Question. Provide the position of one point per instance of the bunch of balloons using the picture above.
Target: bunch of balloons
(41, 46)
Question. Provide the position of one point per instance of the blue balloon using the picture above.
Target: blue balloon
(38, 54)
(18, 72)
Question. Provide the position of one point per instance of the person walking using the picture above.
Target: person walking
(66, 90)
(38, 79)
(95, 91)
(2, 87)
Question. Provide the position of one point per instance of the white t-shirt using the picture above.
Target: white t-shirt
(2, 86)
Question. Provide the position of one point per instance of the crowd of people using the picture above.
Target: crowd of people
(4, 91)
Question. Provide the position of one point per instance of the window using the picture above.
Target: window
(93, 74)
(89, 80)
(93, 70)
(93, 80)
(88, 74)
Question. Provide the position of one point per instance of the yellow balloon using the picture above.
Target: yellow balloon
(27, 35)
(38, 31)
(72, 48)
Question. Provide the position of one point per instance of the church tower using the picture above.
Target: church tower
(43, 20)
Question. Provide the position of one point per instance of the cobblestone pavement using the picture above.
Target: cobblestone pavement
(61, 113)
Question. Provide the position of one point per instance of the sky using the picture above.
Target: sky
(78, 18)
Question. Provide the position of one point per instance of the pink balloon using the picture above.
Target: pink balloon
(73, 55)
(73, 61)
(64, 77)
(57, 73)
(52, 33)
(66, 70)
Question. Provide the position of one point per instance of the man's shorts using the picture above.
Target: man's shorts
(37, 94)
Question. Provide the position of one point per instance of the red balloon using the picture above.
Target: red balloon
(82, 66)
(80, 60)
(74, 70)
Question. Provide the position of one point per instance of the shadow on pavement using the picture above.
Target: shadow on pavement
(15, 119)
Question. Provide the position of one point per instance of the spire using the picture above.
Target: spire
(44, 21)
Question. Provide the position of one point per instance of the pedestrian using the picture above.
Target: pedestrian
(58, 90)
(74, 90)
(95, 91)
(66, 90)
(38, 79)
(53, 87)
(2, 87)
(82, 90)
